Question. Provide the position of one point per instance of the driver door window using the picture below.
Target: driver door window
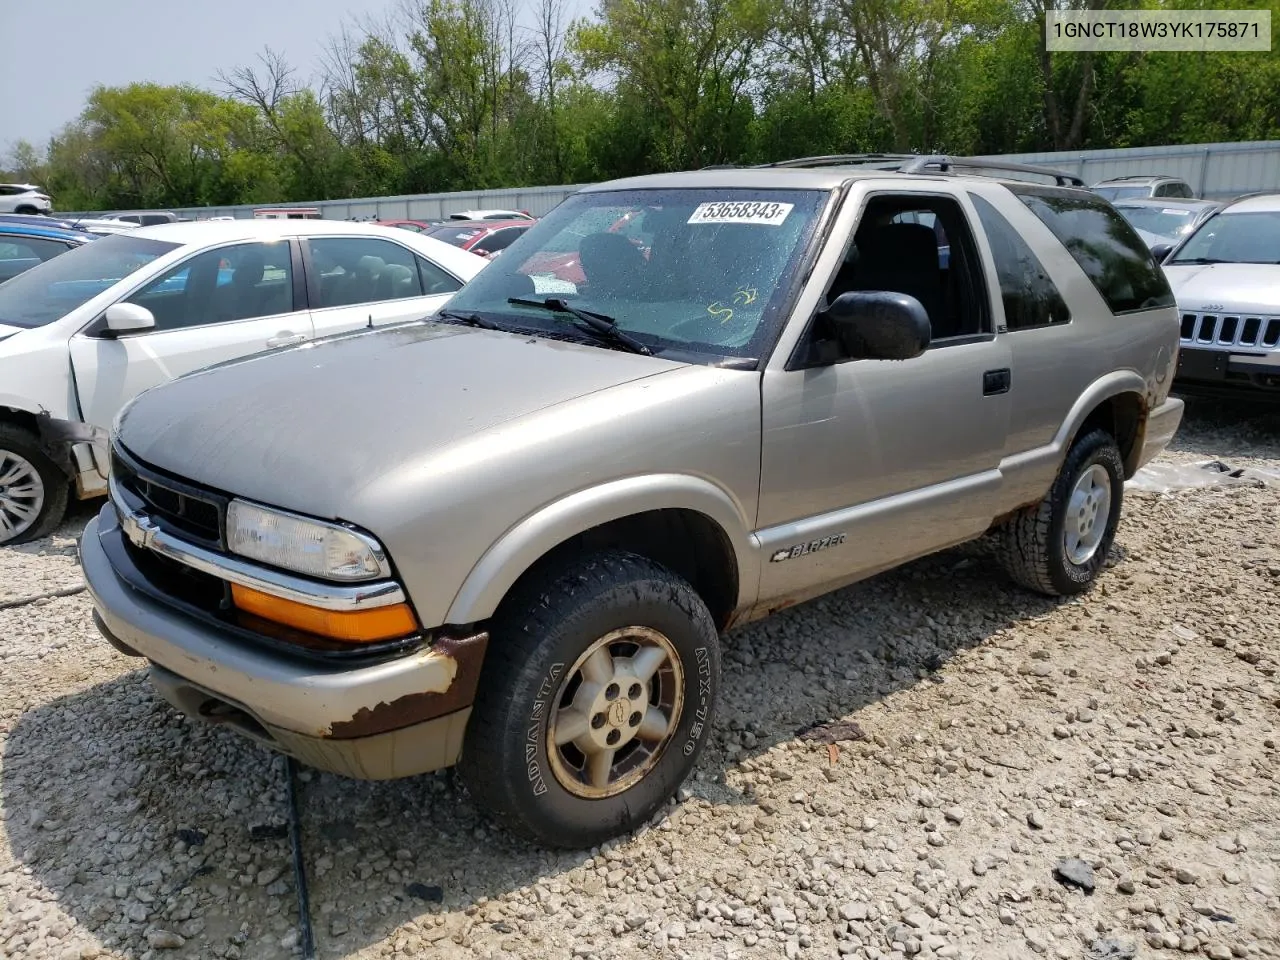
(922, 247)
(224, 285)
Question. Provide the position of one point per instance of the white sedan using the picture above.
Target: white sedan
(84, 333)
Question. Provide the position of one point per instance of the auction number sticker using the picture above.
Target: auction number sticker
(758, 212)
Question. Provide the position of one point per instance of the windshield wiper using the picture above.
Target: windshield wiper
(598, 323)
(1199, 261)
(470, 319)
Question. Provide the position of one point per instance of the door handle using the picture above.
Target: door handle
(996, 382)
(286, 339)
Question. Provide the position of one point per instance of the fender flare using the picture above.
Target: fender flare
(551, 525)
(1101, 390)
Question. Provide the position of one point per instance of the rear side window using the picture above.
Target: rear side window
(355, 270)
(434, 279)
(1106, 247)
(1030, 297)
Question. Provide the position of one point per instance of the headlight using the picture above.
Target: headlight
(295, 543)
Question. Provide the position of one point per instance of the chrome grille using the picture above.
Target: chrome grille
(1231, 330)
(178, 507)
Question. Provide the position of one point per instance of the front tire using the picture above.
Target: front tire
(1059, 546)
(597, 697)
(33, 491)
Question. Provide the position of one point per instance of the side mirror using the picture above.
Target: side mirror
(1161, 250)
(129, 317)
(880, 325)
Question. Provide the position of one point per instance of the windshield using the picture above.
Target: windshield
(1231, 238)
(1122, 193)
(458, 236)
(699, 270)
(50, 291)
(1163, 221)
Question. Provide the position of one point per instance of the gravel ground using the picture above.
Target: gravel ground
(900, 769)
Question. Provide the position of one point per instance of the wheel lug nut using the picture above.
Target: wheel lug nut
(635, 691)
(597, 721)
(613, 737)
(611, 692)
(635, 719)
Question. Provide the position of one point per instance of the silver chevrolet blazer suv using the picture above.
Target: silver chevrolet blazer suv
(509, 536)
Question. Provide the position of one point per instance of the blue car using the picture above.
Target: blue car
(23, 246)
(38, 220)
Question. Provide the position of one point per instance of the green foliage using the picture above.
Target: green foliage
(460, 94)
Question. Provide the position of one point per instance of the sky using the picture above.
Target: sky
(89, 42)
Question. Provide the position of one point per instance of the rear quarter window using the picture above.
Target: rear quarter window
(1103, 243)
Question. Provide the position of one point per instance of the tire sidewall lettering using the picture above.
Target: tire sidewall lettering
(705, 699)
(536, 729)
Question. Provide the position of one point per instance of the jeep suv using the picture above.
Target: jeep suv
(509, 536)
(1226, 278)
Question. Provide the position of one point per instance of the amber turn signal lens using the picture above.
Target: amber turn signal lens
(358, 626)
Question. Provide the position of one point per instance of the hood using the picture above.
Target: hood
(308, 426)
(1226, 287)
(8, 330)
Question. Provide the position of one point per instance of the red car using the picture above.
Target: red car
(565, 266)
(417, 226)
(482, 237)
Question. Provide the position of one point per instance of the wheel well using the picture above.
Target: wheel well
(688, 543)
(27, 421)
(20, 418)
(1123, 416)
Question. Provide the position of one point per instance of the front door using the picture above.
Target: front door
(867, 463)
(218, 305)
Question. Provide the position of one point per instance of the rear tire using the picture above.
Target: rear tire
(1059, 546)
(33, 491)
(597, 697)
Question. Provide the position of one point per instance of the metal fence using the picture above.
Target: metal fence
(422, 206)
(1214, 170)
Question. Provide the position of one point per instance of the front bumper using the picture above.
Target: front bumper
(1205, 371)
(395, 718)
(1162, 423)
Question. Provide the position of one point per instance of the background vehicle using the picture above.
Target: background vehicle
(24, 198)
(1136, 187)
(533, 578)
(1166, 221)
(100, 226)
(486, 238)
(1226, 277)
(287, 213)
(82, 334)
(492, 215)
(417, 226)
(38, 220)
(23, 247)
(143, 218)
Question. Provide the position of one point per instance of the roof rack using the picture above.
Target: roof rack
(945, 164)
(924, 164)
(839, 159)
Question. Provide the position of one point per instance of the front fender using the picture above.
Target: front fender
(534, 536)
